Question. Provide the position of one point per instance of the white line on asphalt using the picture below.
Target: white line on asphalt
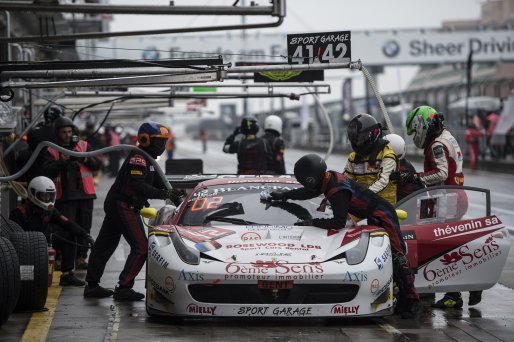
(499, 194)
(493, 209)
(114, 324)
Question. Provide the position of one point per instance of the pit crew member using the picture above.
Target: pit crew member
(134, 185)
(347, 196)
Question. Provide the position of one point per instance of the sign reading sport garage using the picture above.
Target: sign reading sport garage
(415, 47)
(323, 47)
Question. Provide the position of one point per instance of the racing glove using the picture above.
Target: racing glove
(230, 138)
(405, 177)
(278, 196)
(90, 241)
(174, 195)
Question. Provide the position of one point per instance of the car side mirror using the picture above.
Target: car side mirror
(402, 214)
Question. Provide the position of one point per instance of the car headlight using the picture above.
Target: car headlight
(188, 254)
(357, 254)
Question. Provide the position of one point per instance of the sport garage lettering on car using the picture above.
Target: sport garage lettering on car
(278, 270)
(278, 311)
(465, 226)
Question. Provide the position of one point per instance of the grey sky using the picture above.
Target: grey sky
(325, 15)
(319, 15)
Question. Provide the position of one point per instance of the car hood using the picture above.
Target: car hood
(261, 244)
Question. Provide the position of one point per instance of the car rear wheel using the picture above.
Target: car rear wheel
(7, 227)
(9, 279)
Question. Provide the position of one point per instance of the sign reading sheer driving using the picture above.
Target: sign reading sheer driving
(325, 47)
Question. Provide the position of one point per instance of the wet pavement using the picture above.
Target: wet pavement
(80, 319)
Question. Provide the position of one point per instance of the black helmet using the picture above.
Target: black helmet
(152, 137)
(249, 125)
(52, 113)
(363, 132)
(62, 122)
(309, 171)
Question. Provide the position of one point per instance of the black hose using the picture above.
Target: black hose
(68, 241)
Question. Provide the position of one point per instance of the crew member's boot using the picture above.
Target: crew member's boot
(411, 305)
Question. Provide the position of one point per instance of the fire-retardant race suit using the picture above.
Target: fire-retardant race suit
(134, 185)
(442, 166)
(73, 178)
(252, 151)
(39, 214)
(347, 196)
(372, 161)
(402, 189)
(273, 130)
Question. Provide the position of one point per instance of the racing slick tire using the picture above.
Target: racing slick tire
(32, 250)
(7, 227)
(9, 279)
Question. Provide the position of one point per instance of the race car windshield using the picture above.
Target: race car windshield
(241, 204)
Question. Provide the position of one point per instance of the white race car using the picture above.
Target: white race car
(226, 253)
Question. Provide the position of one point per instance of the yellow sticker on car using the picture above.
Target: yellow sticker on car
(136, 172)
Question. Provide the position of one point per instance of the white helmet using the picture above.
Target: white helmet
(41, 192)
(397, 144)
(273, 122)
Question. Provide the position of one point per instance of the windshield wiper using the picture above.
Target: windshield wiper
(233, 220)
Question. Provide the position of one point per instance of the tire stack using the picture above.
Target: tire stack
(23, 269)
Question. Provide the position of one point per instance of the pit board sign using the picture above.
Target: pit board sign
(325, 47)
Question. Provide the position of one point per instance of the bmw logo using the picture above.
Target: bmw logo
(391, 48)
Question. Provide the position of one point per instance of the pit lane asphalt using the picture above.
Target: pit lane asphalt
(78, 319)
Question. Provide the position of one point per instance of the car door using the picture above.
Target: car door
(453, 241)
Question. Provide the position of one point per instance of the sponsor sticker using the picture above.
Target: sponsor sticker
(463, 259)
(355, 276)
(374, 285)
(272, 245)
(158, 286)
(409, 234)
(250, 236)
(201, 310)
(190, 275)
(137, 160)
(169, 284)
(339, 309)
(273, 270)
(159, 258)
(379, 263)
(462, 227)
(438, 152)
